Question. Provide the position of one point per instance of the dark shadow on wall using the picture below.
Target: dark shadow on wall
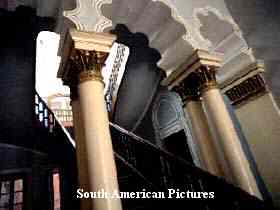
(17, 68)
(18, 125)
(260, 26)
(140, 81)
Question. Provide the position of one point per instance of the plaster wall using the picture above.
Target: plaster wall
(260, 122)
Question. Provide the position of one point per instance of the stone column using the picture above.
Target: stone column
(102, 169)
(251, 100)
(223, 128)
(204, 141)
(81, 150)
(202, 66)
(86, 53)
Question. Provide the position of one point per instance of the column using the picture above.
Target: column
(85, 55)
(249, 95)
(102, 168)
(81, 150)
(207, 148)
(201, 66)
(224, 130)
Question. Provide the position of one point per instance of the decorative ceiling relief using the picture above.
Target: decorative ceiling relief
(87, 15)
(152, 18)
(160, 21)
(73, 15)
(175, 55)
(103, 22)
(219, 31)
(175, 15)
(223, 37)
(175, 35)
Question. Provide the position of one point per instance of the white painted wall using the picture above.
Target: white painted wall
(47, 63)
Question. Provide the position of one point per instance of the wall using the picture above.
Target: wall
(259, 22)
(140, 81)
(16, 162)
(17, 69)
(18, 126)
(260, 122)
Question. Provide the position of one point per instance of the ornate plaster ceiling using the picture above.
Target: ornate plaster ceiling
(259, 22)
(175, 28)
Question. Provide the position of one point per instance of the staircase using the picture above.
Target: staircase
(52, 139)
(165, 171)
(143, 165)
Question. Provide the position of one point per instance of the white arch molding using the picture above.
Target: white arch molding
(83, 18)
(174, 121)
(87, 15)
(233, 48)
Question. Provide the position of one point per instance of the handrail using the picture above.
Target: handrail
(45, 118)
(134, 170)
(159, 150)
(197, 179)
(194, 177)
(43, 114)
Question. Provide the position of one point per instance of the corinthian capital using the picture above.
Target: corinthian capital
(188, 89)
(195, 75)
(84, 54)
(206, 77)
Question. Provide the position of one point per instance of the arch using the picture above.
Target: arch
(164, 29)
(140, 80)
(168, 118)
(173, 28)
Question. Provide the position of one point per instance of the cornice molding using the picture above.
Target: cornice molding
(200, 58)
(247, 90)
(246, 86)
(250, 71)
(92, 41)
(82, 51)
